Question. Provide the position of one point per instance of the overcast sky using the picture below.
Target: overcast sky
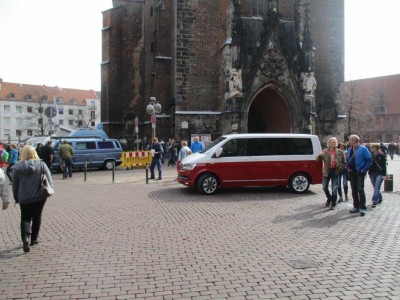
(58, 43)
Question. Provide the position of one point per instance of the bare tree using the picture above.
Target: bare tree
(39, 99)
(357, 110)
(82, 118)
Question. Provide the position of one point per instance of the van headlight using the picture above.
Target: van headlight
(187, 167)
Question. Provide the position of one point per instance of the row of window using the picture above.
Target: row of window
(18, 121)
(29, 132)
(40, 110)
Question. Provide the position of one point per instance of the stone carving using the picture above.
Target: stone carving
(235, 82)
(273, 64)
(309, 83)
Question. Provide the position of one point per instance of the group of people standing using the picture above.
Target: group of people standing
(342, 164)
(24, 173)
(175, 154)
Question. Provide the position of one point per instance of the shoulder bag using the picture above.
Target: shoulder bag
(45, 187)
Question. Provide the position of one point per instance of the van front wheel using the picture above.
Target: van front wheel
(108, 165)
(207, 184)
(299, 183)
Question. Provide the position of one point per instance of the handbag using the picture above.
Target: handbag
(45, 187)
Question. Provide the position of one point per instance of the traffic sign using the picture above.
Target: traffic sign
(50, 112)
(99, 126)
(153, 118)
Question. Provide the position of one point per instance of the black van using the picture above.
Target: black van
(97, 152)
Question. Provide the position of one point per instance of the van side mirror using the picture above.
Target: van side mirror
(218, 152)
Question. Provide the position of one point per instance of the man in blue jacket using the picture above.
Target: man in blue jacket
(358, 163)
(156, 152)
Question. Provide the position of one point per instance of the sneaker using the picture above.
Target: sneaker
(362, 212)
(327, 203)
(332, 206)
(346, 198)
(373, 204)
(354, 210)
(340, 199)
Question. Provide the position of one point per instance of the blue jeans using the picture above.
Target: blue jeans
(376, 181)
(325, 185)
(67, 167)
(343, 178)
(154, 162)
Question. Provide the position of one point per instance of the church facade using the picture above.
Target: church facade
(221, 66)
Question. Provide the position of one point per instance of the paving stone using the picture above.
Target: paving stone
(131, 240)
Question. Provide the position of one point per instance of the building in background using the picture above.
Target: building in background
(222, 66)
(24, 110)
(371, 108)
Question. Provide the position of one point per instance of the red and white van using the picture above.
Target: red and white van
(238, 160)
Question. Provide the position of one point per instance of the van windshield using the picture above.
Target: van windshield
(213, 144)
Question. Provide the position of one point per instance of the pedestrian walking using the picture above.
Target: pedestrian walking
(185, 151)
(156, 152)
(172, 152)
(144, 144)
(48, 154)
(4, 190)
(343, 178)
(3, 157)
(391, 150)
(12, 160)
(377, 173)
(358, 163)
(333, 164)
(39, 150)
(26, 187)
(66, 153)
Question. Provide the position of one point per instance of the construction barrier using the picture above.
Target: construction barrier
(135, 159)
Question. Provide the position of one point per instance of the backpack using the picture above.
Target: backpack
(4, 156)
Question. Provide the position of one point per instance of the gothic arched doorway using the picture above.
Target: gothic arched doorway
(268, 113)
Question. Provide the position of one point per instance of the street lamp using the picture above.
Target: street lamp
(152, 109)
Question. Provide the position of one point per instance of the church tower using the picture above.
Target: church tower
(221, 66)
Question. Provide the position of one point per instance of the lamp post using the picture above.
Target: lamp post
(152, 109)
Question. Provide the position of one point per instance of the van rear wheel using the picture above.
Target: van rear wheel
(299, 183)
(108, 165)
(207, 184)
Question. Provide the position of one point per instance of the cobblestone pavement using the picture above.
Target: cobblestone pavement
(131, 240)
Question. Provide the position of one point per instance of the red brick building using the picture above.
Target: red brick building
(221, 66)
(381, 96)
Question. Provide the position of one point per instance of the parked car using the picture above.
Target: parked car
(96, 152)
(239, 160)
(34, 141)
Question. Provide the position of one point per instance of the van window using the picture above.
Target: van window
(85, 145)
(55, 148)
(106, 145)
(235, 147)
(280, 146)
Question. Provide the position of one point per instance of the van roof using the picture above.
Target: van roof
(83, 139)
(88, 132)
(286, 135)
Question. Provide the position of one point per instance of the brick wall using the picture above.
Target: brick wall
(200, 36)
(327, 28)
